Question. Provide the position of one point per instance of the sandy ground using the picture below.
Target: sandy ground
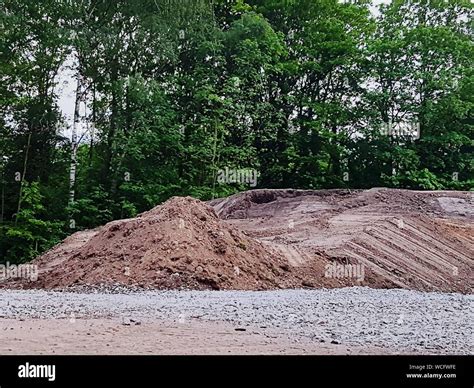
(112, 337)
(352, 320)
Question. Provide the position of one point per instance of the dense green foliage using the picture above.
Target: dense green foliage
(302, 91)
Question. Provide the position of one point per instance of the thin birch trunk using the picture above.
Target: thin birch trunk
(22, 182)
(74, 145)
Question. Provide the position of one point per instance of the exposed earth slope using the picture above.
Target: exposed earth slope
(269, 239)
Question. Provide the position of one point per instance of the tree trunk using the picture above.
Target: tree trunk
(74, 145)
(92, 132)
(3, 199)
(25, 163)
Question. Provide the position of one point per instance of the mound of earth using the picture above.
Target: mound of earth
(180, 244)
(419, 240)
(264, 239)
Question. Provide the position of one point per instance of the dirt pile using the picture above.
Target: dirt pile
(266, 239)
(180, 244)
(421, 240)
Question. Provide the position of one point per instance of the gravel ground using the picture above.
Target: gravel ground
(403, 321)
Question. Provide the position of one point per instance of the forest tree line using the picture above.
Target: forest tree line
(167, 93)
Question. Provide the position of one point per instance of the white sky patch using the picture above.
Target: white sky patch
(66, 92)
(375, 4)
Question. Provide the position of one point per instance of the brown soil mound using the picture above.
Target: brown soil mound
(266, 239)
(180, 244)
